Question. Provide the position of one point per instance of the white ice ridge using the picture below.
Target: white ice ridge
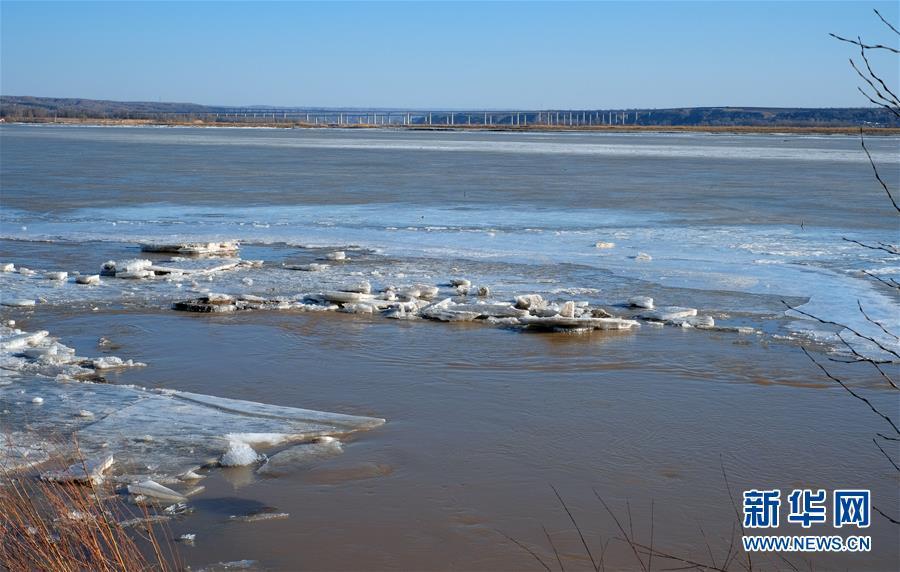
(152, 434)
(418, 302)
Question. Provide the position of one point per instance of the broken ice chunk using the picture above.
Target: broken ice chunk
(529, 301)
(37, 400)
(583, 323)
(133, 269)
(210, 303)
(568, 310)
(358, 308)
(668, 313)
(444, 311)
(360, 288)
(22, 339)
(645, 302)
(346, 297)
(457, 282)
(58, 276)
(18, 302)
(702, 322)
(213, 298)
(605, 245)
(8, 267)
(89, 471)
(259, 516)
(239, 454)
(88, 279)
(338, 255)
(113, 362)
(108, 268)
(155, 491)
(194, 248)
(312, 267)
(642, 257)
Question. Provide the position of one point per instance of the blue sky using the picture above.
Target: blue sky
(441, 55)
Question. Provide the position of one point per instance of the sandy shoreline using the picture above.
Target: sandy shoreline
(736, 129)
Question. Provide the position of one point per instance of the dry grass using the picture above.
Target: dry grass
(72, 527)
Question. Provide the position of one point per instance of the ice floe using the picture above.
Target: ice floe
(157, 437)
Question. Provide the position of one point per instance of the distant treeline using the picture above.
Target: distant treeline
(44, 108)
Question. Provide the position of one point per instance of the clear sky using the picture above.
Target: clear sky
(441, 55)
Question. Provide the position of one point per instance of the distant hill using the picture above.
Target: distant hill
(30, 108)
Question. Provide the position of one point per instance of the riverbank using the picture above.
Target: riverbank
(290, 124)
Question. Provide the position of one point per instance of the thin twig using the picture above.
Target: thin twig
(851, 392)
(553, 546)
(844, 326)
(890, 282)
(883, 452)
(690, 563)
(878, 510)
(865, 46)
(875, 363)
(577, 528)
(886, 23)
(862, 141)
(890, 249)
(525, 548)
(737, 514)
(630, 541)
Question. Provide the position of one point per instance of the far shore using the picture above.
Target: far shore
(736, 129)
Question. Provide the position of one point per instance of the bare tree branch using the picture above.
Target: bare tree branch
(890, 249)
(862, 141)
(883, 452)
(865, 46)
(890, 282)
(886, 23)
(893, 97)
(878, 510)
(853, 393)
(846, 327)
(876, 322)
(876, 364)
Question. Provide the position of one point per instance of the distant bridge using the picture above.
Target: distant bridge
(415, 118)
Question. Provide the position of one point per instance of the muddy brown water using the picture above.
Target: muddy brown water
(483, 421)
